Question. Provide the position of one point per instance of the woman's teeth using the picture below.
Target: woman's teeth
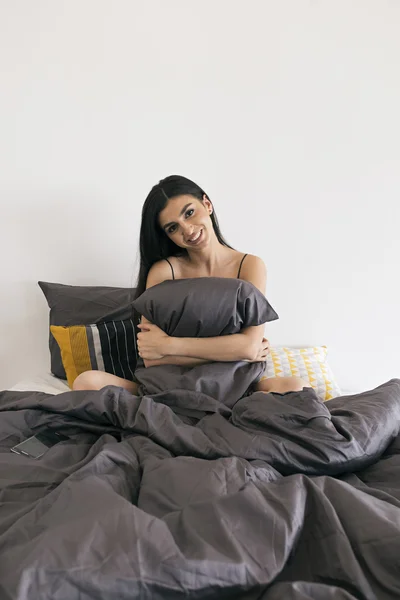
(195, 238)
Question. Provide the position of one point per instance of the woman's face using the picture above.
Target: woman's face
(186, 221)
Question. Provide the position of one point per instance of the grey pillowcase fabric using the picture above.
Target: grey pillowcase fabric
(225, 382)
(204, 306)
(83, 305)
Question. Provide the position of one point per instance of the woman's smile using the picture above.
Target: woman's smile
(195, 238)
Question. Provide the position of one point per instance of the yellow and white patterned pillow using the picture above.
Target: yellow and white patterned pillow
(308, 363)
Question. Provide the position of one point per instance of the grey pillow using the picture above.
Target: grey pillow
(83, 305)
(204, 306)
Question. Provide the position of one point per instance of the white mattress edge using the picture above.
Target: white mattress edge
(48, 383)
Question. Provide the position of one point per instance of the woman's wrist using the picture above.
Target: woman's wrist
(172, 347)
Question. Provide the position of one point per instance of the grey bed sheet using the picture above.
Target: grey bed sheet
(177, 495)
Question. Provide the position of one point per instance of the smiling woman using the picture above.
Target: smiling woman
(188, 211)
(180, 238)
(190, 230)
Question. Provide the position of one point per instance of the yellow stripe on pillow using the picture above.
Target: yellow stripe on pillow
(74, 350)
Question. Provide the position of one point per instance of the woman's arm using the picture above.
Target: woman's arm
(224, 348)
(184, 361)
(240, 346)
(158, 273)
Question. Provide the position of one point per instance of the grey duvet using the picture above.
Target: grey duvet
(181, 495)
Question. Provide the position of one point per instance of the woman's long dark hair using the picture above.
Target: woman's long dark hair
(154, 243)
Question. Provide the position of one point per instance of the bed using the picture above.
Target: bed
(47, 383)
(177, 495)
(50, 384)
(195, 489)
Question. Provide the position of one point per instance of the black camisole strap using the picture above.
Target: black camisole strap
(172, 269)
(238, 275)
(240, 266)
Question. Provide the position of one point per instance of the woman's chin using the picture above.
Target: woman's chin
(199, 248)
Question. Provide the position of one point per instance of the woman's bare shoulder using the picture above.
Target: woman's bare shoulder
(159, 272)
(254, 270)
(251, 261)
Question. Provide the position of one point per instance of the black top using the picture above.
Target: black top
(237, 277)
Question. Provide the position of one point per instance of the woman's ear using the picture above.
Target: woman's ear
(207, 204)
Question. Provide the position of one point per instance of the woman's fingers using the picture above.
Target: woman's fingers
(265, 345)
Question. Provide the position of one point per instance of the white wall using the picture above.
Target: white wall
(285, 111)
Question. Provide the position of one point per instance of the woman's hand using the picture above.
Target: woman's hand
(262, 352)
(152, 342)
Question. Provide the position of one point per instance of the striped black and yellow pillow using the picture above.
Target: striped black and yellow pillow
(109, 347)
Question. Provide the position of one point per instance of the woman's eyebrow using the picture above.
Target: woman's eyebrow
(180, 214)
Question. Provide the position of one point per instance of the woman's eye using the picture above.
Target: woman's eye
(188, 213)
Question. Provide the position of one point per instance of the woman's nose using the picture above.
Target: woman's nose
(187, 228)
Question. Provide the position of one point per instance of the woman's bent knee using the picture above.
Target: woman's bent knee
(89, 380)
(96, 380)
(281, 385)
(297, 383)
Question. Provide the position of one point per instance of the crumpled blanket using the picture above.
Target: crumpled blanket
(177, 495)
